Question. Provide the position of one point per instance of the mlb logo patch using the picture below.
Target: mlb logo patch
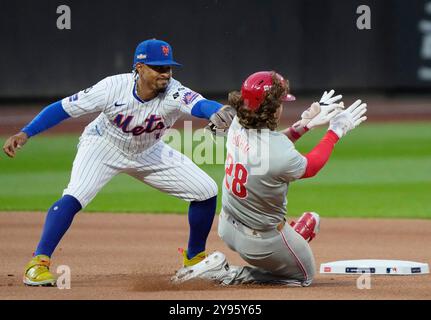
(189, 97)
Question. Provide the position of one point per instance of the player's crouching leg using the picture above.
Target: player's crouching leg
(299, 257)
(57, 222)
(201, 215)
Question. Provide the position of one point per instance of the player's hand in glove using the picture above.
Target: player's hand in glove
(14, 143)
(220, 121)
(328, 98)
(319, 114)
(348, 119)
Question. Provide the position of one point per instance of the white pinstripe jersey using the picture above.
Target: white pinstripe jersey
(125, 120)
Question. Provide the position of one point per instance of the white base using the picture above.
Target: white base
(386, 267)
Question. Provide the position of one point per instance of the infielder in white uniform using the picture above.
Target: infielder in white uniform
(135, 110)
(260, 165)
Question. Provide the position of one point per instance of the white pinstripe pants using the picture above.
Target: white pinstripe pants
(160, 166)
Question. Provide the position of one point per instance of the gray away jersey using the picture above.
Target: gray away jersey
(125, 120)
(259, 166)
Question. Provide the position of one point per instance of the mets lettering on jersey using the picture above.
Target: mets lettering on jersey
(124, 123)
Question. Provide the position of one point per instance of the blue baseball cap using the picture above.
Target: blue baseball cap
(154, 53)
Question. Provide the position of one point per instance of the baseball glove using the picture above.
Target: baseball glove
(220, 121)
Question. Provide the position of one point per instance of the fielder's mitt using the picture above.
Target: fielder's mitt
(220, 121)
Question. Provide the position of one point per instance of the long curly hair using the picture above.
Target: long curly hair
(264, 117)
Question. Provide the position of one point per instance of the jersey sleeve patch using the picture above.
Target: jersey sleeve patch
(73, 97)
(88, 89)
(89, 100)
(189, 97)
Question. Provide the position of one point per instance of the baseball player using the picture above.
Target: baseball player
(252, 221)
(135, 111)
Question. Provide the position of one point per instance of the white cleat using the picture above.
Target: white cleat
(213, 268)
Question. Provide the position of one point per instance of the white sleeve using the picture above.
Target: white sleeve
(90, 100)
(187, 99)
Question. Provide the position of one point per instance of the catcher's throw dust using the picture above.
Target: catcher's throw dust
(135, 110)
(260, 164)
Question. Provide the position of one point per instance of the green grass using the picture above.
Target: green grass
(378, 170)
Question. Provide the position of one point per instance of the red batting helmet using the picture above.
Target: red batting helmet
(254, 89)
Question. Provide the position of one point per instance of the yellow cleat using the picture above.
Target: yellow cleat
(195, 260)
(37, 272)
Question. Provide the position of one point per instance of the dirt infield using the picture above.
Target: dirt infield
(132, 256)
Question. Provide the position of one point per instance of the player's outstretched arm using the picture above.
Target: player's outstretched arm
(319, 113)
(221, 120)
(14, 143)
(47, 118)
(205, 108)
(338, 127)
(220, 116)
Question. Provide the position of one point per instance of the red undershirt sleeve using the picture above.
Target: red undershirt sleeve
(317, 157)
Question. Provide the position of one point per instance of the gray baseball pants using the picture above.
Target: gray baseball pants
(279, 256)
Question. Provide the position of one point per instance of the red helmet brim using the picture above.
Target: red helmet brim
(288, 97)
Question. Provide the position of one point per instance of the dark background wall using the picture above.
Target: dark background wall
(314, 43)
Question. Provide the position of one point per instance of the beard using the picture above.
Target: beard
(161, 88)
